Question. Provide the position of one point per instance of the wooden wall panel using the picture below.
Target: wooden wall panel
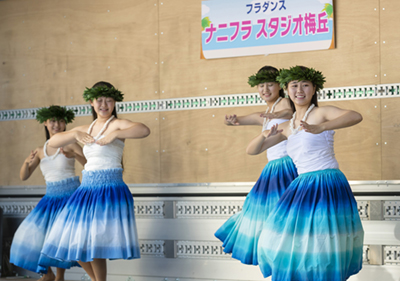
(196, 146)
(358, 149)
(17, 140)
(114, 41)
(228, 160)
(142, 156)
(355, 61)
(183, 142)
(389, 41)
(200, 148)
(29, 59)
(53, 50)
(390, 139)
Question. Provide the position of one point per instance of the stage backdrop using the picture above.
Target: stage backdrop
(51, 50)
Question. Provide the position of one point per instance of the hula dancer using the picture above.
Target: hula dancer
(58, 168)
(98, 222)
(315, 232)
(240, 233)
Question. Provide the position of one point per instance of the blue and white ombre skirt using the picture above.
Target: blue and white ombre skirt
(98, 222)
(240, 233)
(31, 234)
(315, 231)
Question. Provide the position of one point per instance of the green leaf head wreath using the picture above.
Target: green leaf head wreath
(91, 94)
(301, 73)
(262, 77)
(54, 111)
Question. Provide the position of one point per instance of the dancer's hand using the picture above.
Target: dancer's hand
(313, 129)
(31, 156)
(272, 132)
(107, 139)
(83, 138)
(231, 120)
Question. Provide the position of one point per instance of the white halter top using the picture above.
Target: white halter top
(277, 151)
(56, 167)
(312, 152)
(103, 157)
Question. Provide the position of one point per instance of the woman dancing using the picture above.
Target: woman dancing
(58, 168)
(98, 222)
(315, 232)
(240, 233)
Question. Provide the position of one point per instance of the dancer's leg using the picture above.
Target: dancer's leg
(49, 276)
(60, 274)
(100, 269)
(87, 266)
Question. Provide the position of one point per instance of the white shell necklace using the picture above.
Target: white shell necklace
(102, 129)
(296, 130)
(266, 121)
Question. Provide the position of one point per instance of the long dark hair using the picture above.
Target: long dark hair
(314, 99)
(272, 69)
(108, 85)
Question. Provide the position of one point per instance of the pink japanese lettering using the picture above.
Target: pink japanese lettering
(286, 25)
(211, 30)
(322, 28)
(309, 23)
(246, 26)
(262, 31)
(298, 26)
(236, 25)
(222, 38)
(274, 25)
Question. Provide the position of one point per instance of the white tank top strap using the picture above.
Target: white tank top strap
(45, 152)
(102, 129)
(265, 123)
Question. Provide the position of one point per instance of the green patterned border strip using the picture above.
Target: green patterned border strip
(206, 102)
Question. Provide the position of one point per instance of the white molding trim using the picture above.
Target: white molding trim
(200, 249)
(217, 188)
(207, 209)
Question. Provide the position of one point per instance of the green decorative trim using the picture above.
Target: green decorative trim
(102, 91)
(262, 77)
(217, 101)
(56, 112)
(297, 73)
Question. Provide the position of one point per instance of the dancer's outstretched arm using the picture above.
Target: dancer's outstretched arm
(282, 114)
(77, 134)
(332, 118)
(251, 119)
(126, 129)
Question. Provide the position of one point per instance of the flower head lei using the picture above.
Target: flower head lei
(262, 77)
(56, 112)
(102, 91)
(301, 74)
